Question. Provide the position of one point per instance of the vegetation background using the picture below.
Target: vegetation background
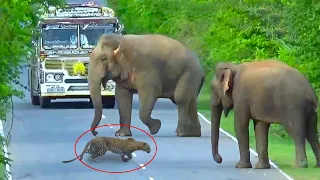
(238, 31)
(18, 18)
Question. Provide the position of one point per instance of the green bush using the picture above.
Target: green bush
(17, 20)
(233, 30)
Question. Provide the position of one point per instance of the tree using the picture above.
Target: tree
(18, 18)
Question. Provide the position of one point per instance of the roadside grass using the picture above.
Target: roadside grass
(2, 166)
(281, 149)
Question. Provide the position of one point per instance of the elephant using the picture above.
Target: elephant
(268, 92)
(153, 65)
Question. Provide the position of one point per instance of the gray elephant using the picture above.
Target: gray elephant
(267, 91)
(155, 66)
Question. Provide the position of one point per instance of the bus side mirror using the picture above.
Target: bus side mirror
(34, 43)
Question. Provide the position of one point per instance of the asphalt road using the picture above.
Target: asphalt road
(42, 138)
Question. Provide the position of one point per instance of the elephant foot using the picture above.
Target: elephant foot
(123, 131)
(217, 158)
(262, 165)
(154, 126)
(242, 164)
(188, 130)
(318, 165)
(302, 164)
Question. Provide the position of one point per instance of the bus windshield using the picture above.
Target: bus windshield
(59, 36)
(90, 33)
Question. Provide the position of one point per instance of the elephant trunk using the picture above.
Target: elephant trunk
(96, 98)
(216, 111)
(95, 94)
(226, 111)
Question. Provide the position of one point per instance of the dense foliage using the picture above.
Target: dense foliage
(18, 18)
(233, 30)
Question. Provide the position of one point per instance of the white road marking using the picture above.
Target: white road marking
(251, 150)
(141, 165)
(150, 178)
(134, 155)
(103, 117)
(5, 151)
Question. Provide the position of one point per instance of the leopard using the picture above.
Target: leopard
(98, 146)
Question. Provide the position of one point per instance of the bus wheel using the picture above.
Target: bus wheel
(34, 99)
(108, 101)
(45, 102)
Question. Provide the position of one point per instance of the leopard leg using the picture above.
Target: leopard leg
(129, 156)
(126, 157)
(97, 153)
(93, 156)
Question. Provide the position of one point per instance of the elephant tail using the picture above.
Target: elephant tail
(85, 150)
(313, 103)
(201, 84)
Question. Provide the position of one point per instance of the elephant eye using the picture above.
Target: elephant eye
(104, 58)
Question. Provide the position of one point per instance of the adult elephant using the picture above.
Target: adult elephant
(156, 67)
(267, 91)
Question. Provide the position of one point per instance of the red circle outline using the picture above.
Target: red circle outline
(115, 172)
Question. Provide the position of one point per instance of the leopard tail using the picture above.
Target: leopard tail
(81, 155)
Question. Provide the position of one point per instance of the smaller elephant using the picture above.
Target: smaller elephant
(267, 92)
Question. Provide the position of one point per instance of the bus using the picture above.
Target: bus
(62, 44)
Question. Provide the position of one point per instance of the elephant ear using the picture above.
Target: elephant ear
(115, 61)
(226, 79)
(118, 54)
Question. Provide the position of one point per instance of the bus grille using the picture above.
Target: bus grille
(66, 65)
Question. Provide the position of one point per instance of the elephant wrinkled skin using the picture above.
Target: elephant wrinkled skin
(267, 92)
(156, 67)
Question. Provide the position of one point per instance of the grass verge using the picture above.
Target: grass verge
(281, 149)
(2, 166)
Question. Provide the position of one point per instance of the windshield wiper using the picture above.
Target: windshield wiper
(85, 26)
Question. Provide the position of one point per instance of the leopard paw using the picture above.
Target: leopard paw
(125, 158)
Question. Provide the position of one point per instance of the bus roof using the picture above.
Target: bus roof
(79, 20)
(98, 2)
(77, 9)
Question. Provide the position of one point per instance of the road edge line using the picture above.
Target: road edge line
(5, 152)
(251, 150)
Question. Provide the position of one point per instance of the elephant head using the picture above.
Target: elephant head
(105, 63)
(221, 99)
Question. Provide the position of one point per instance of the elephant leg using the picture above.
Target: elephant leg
(147, 102)
(241, 123)
(296, 127)
(312, 137)
(193, 129)
(185, 97)
(124, 102)
(183, 126)
(261, 130)
(173, 101)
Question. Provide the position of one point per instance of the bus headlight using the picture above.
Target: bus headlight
(57, 77)
(53, 77)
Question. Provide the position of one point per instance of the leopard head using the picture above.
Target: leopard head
(145, 147)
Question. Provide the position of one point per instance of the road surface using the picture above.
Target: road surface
(42, 138)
